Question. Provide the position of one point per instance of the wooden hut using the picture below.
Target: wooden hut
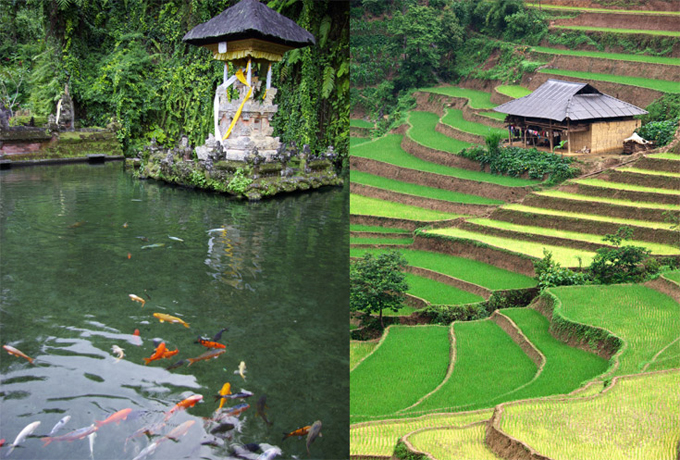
(247, 34)
(588, 120)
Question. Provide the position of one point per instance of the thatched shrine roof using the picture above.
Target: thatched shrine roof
(560, 100)
(250, 19)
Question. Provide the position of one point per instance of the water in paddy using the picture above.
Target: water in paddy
(274, 273)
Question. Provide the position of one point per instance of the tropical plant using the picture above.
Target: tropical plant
(622, 264)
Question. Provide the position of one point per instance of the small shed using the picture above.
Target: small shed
(588, 120)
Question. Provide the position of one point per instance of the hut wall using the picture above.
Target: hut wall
(607, 137)
(580, 139)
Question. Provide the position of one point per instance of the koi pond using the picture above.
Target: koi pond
(77, 240)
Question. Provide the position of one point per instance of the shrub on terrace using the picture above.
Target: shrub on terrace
(622, 264)
(550, 273)
(661, 132)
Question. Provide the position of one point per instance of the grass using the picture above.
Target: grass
(373, 207)
(567, 257)
(644, 318)
(379, 439)
(476, 99)
(488, 364)
(358, 350)
(495, 115)
(623, 186)
(357, 123)
(364, 178)
(651, 172)
(595, 217)
(454, 117)
(656, 248)
(404, 310)
(423, 132)
(439, 293)
(354, 141)
(469, 270)
(395, 375)
(614, 56)
(665, 33)
(674, 276)
(637, 419)
(666, 155)
(375, 228)
(515, 91)
(566, 368)
(614, 201)
(459, 443)
(388, 149)
(601, 10)
(658, 85)
(375, 240)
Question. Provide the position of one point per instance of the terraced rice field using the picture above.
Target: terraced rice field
(624, 186)
(656, 248)
(359, 350)
(665, 33)
(454, 117)
(378, 240)
(667, 155)
(567, 257)
(469, 270)
(460, 443)
(515, 91)
(388, 150)
(378, 386)
(488, 364)
(385, 183)
(354, 141)
(599, 199)
(644, 318)
(423, 132)
(374, 228)
(636, 419)
(613, 56)
(674, 276)
(649, 171)
(379, 438)
(360, 123)
(603, 10)
(361, 205)
(437, 293)
(476, 99)
(658, 85)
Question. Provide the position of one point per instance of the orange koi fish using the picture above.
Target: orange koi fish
(13, 351)
(183, 405)
(162, 317)
(209, 343)
(136, 298)
(170, 354)
(158, 354)
(116, 417)
(299, 432)
(180, 430)
(226, 390)
(207, 355)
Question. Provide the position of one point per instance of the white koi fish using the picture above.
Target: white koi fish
(119, 352)
(23, 434)
(60, 424)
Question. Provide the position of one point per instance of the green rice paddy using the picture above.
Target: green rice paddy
(595, 217)
(495, 115)
(459, 443)
(665, 33)
(487, 365)
(469, 270)
(375, 228)
(378, 240)
(674, 276)
(364, 178)
(476, 99)
(666, 155)
(361, 205)
(567, 257)
(651, 172)
(395, 375)
(358, 350)
(423, 132)
(656, 248)
(636, 419)
(623, 186)
(644, 318)
(515, 91)
(614, 56)
(614, 201)
(658, 85)
(388, 150)
(454, 117)
(404, 310)
(438, 293)
(602, 10)
(354, 141)
(357, 123)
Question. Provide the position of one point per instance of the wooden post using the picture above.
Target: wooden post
(510, 135)
(524, 128)
(568, 137)
(550, 133)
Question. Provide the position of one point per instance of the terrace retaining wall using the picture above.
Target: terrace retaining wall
(356, 131)
(659, 164)
(519, 338)
(645, 180)
(621, 194)
(465, 248)
(665, 286)
(506, 446)
(622, 21)
(451, 131)
(422, 202)
(435, 103)
(379, 235)
(474, 115)
(391, 222)
(438, 156)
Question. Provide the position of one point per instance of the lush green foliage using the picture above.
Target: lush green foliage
(516, 161)
(550, 273)
(622, 264)
(658, 85)
(667, 107)
(661, 132)
(377, 283)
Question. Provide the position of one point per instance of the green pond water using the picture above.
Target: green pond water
(275, 273)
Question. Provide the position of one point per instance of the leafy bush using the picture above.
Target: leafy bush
(239, 183)
(661, 132)
(550, 273)
(622, 264)
(667, 107)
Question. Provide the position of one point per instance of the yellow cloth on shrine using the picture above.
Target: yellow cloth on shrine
(242, 79)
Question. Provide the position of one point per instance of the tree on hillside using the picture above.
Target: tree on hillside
(377, 282)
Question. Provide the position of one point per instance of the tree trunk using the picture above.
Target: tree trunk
(381, 320)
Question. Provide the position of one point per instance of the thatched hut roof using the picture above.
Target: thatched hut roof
(250, 19)
(560, 100)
